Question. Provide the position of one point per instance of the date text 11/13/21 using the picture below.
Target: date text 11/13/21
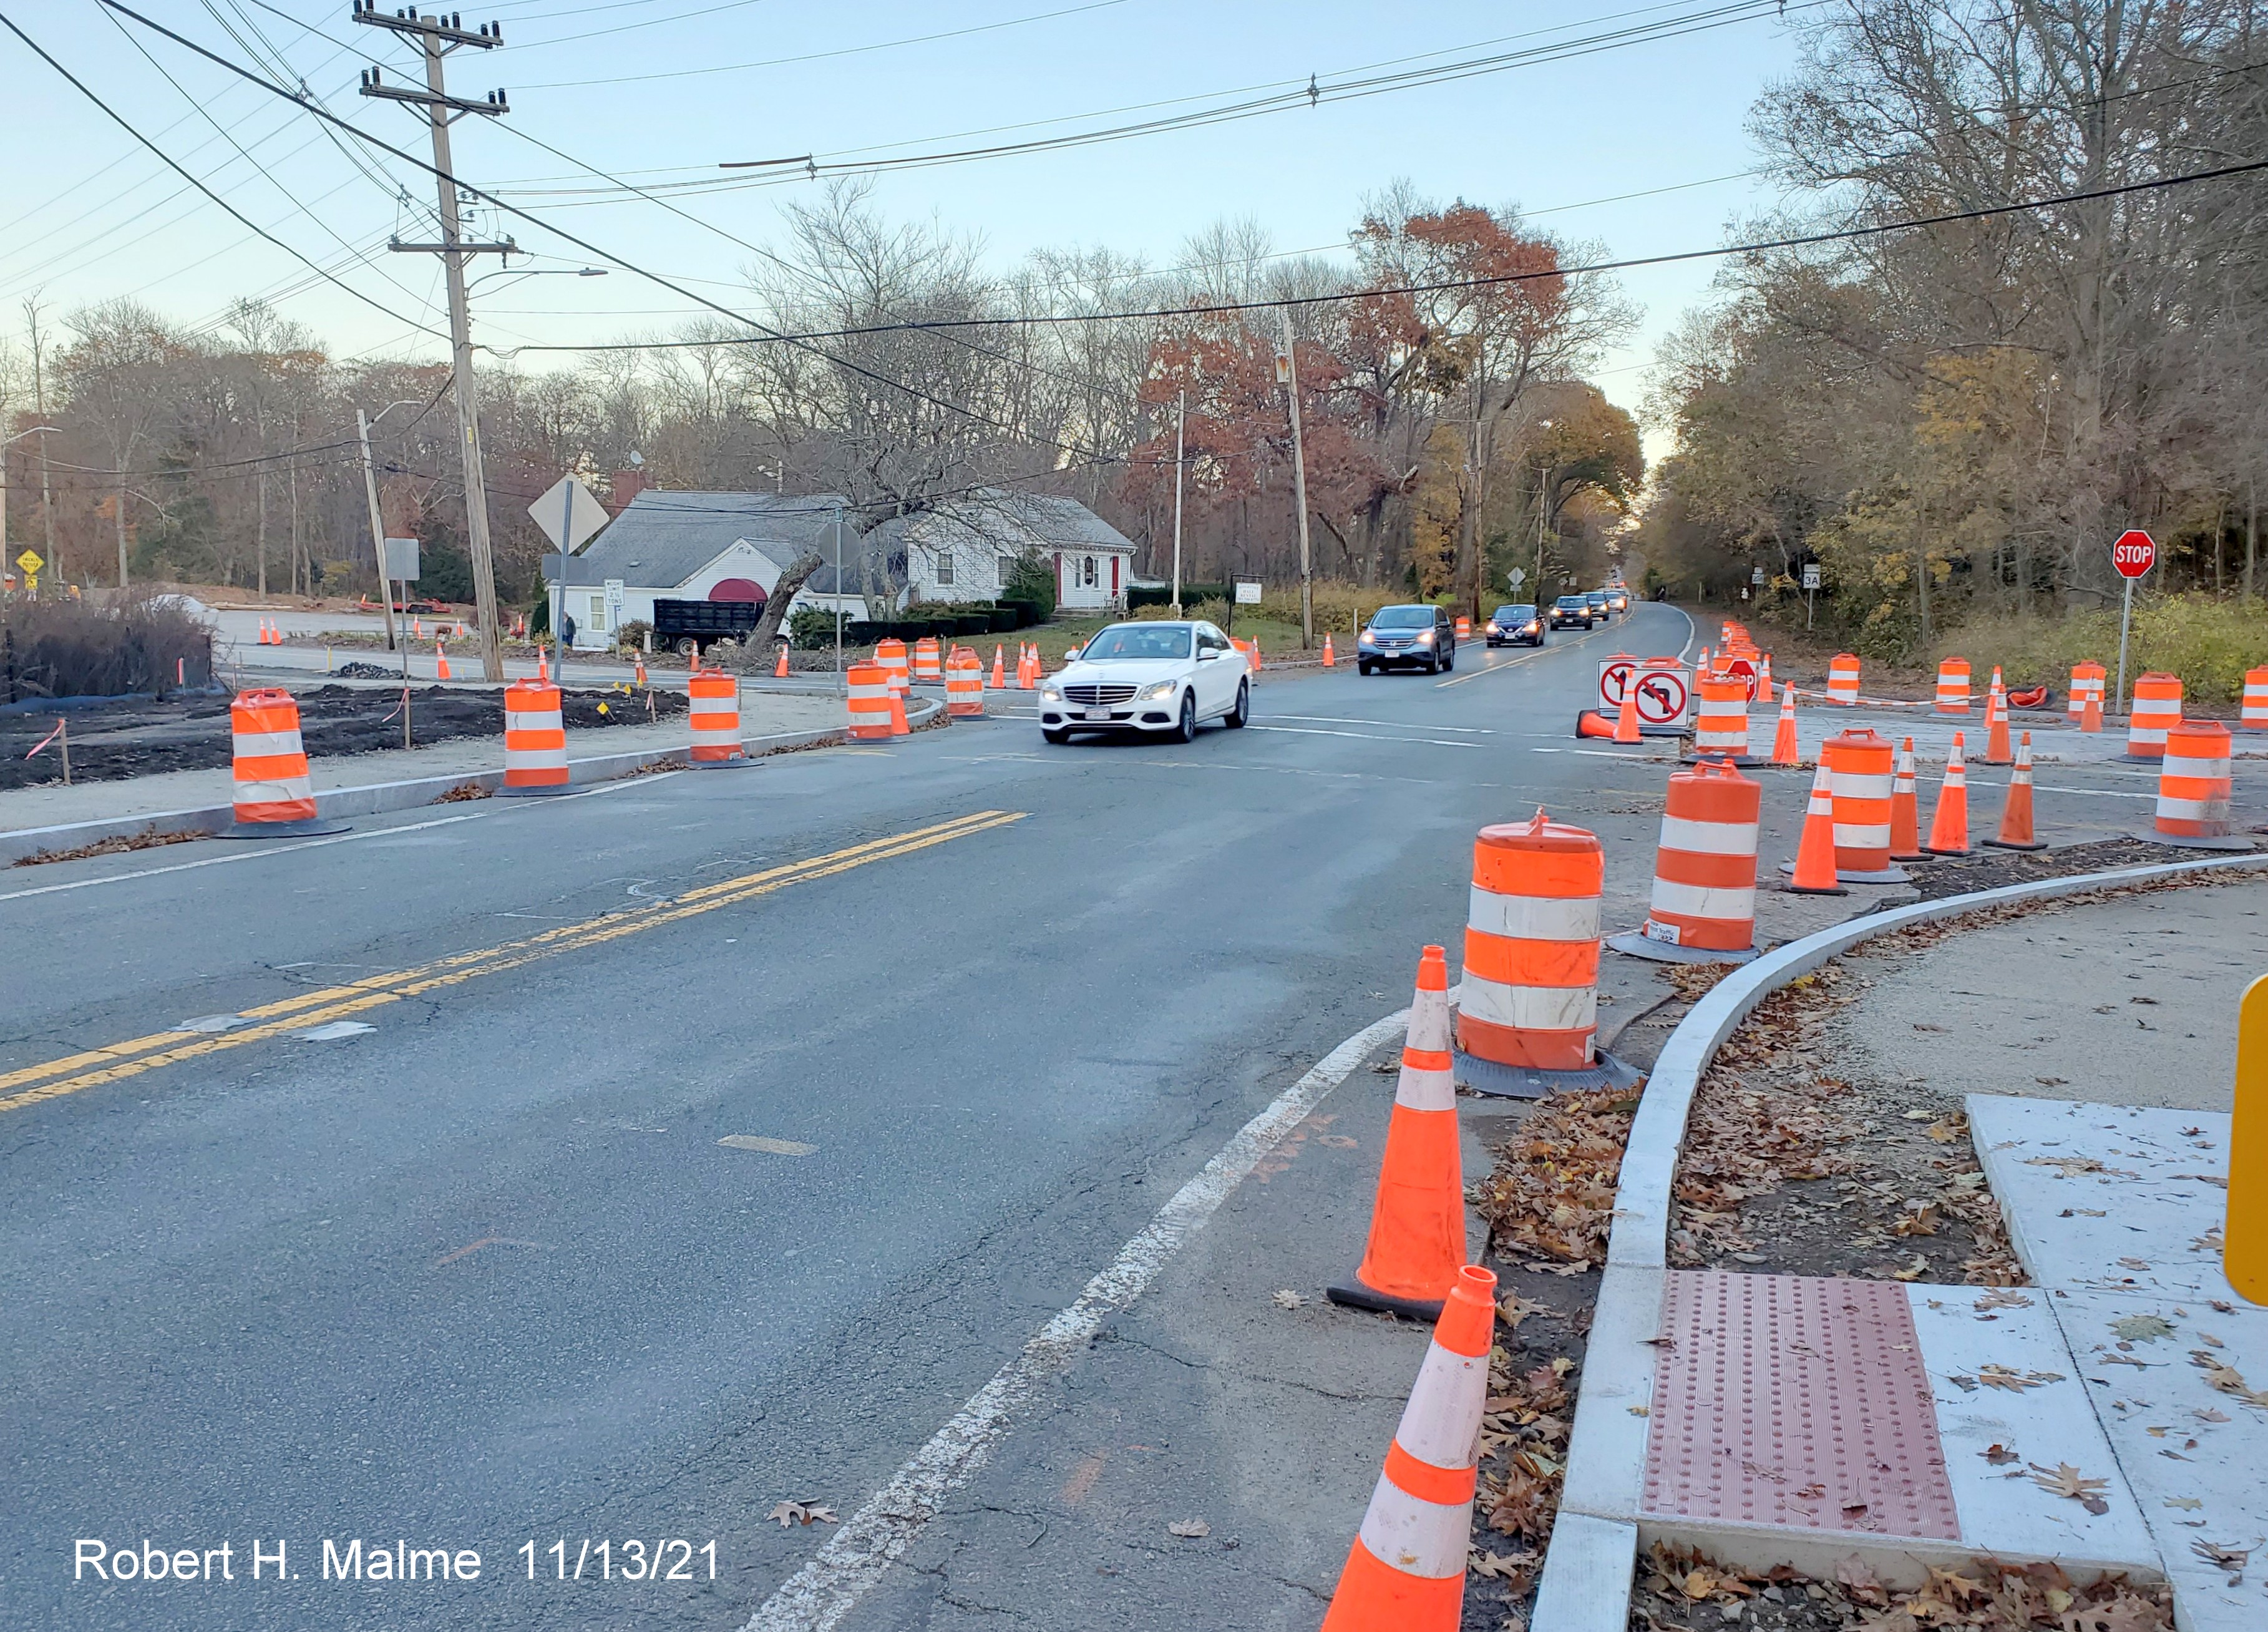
(634, 1560)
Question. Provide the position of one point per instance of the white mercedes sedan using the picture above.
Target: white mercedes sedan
(1167, 678)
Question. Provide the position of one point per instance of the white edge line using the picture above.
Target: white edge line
(817, 1597)
(264, 851)
(1367, 736)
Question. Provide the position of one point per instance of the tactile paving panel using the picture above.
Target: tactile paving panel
(1797, 1403)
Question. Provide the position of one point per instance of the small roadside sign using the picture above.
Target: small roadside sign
(1811, 575)
(1247, 592)
(568, 512)
(398, 559)
(1664, 690)
(30, 562)
(1755, 575)
(1516, 577)
(615, 587)
(2134, 554)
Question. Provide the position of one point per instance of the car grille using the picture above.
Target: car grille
(1092, 697)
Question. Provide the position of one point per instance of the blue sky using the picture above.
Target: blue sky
(92, 215)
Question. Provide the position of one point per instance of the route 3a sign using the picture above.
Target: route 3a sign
(1665, 690)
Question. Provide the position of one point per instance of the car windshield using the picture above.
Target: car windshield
(1514, 613)
(1133, 642)
(1596, 595)
(1574, 600)
(1403, 617)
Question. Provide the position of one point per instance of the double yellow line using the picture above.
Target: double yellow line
(116, 1061)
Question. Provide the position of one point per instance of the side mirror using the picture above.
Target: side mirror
(1206, 654)
(1070, 654)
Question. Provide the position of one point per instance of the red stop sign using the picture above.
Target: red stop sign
(2134, 553)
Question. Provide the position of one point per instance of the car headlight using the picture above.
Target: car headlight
(1051, 694)
(1155, 693)
(1424, 634)
(1492, 629)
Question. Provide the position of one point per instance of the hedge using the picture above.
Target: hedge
(1141, 596)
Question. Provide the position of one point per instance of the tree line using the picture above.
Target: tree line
(1954, 421)
(1450, 434)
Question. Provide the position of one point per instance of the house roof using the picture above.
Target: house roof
(665, 536)
(1059, 523)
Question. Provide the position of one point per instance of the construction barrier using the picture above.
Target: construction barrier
(274, 795)
(2194, 787)
(1418, 1223)
(926, 668)
(891, 654)
(2087, 680)
(1860, 775)
(714, 717)
(535, 739)
(2157, 709)
(1527, 1021)
(1703, 907)
(2255, 716)
(964, 686)
(1721, 724)
(2016, 831)
(1953, 686)
(870, 703)
(1464, 630)
(1843, 679)
(1406, 1571)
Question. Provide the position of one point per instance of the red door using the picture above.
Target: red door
(1114, 577)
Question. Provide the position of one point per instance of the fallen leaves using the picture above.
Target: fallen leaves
(1189, 1529)
(1287, 1298)
(2232, 1559)
(2015, 1382)
(2142, 1328)
(2064, 1479)
(2225, 1378)
(1997, 1455)
(790, 1513)
(1552, 1190)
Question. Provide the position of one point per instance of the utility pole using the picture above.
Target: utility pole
(1288, 370)
(40, 406)
(1181, 436)
(437, 35)
(376, 527)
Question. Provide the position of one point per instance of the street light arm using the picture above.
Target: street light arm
(29, 431)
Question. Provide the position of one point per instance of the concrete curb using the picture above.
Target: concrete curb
(378, 798)
(1586, 1585)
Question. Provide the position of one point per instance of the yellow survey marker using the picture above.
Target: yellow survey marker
(2244, 1258)
(116, 1061)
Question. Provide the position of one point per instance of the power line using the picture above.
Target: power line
(80, 85)
(1629, 263)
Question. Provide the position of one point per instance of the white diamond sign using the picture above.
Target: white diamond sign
(568, 514)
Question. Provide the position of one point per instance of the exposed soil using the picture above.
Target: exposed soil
(1989, 869)
(138, 736)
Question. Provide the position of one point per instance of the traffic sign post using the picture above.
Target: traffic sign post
(1810, 588)
(568, 514)
(31, 563)
(2132, 555)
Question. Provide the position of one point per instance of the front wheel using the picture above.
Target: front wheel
(1185, 730)
(1058, 737)
(1235, 718)
(1450, 661)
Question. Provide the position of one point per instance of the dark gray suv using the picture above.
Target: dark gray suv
(1414, 637)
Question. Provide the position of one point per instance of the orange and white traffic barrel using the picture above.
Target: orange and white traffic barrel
(2157, 709)
(535, 739)
(714, 717)
(1464, 630)
(1527, 1020)
(1953, 686)
(870, 703)
(1861, 771)
(1703, 907)
(2194, 789)
(891, 654)
(926, 668)
(1843, 679)
(1720, 727)
(964, 686)
(2255, 716)
(2086, 680)
(274, 795)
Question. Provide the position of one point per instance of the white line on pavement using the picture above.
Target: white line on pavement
(1367, 736)
(1398, 725)
(817, 1597)
(343, 838)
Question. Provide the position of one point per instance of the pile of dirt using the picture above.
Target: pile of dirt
(1940, 877)
(141, 737)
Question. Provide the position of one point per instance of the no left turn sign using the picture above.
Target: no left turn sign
(1664, 693)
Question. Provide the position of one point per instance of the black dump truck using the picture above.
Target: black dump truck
(688, 626)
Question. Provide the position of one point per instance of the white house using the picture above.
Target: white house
(688, 546)
(966, 553)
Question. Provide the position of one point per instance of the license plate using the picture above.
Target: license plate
(1096, 713)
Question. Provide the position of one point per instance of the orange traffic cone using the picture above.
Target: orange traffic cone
(1626, 717)
(1000, 670)
(542, 664)
(2017, 816)
(2090, 716)
(1948, 825)
(1996, 723)
(417, 627)
(1418, 1224)
(779, 669)
(1788, 747)
(1814, 855)
(1906, 809)
(440, 662)
(1406, 1572)
(1764, 676)
(640, 670)
(1329, 662)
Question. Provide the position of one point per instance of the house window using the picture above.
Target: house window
(1086, 571)
(598, 611)
(945, 566)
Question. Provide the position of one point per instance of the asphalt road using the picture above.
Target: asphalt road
(483, 1275)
